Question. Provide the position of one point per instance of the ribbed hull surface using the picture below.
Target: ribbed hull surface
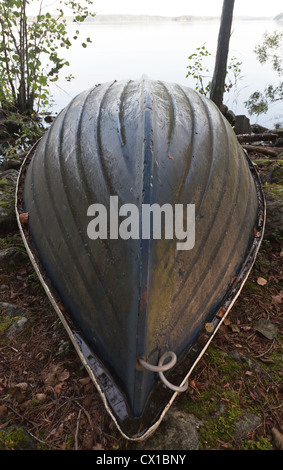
(146, 142)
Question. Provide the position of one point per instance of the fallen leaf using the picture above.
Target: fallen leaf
(234, 328)
(192, 383)
(41, 397)
(261, 281)
(3, 410)
(209, 327)
(60, 306)
(4, 425)
(24, 218)
(276, 299)
(84, 381)
(22, 271)
(64, 375)
(23, 386)
(58, 387)
(256, 233)
(221, 312)
(98, 447)
(171, 158)
(277, 439)
(49, 379)
(246, 328)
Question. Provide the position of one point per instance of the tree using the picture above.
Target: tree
(199, 71)
(25, 47)
(271, 50)
(218, 79)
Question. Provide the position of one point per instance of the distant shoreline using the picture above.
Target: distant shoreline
(176, 19)
(118, 19)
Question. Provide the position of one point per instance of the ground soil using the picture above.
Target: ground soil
(45, 389)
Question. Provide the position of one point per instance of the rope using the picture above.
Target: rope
(162, 368)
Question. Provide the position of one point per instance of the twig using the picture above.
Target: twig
(257, 148)
(86, 413)
(39, 440)
(265, 352)
(256, 137)
(77, 430)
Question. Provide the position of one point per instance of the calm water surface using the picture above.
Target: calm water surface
(161, 50)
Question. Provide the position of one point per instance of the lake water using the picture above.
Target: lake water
(161, 50)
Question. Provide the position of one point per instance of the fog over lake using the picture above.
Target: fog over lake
(160, 50)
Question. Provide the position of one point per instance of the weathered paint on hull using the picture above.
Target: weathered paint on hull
(146, 142)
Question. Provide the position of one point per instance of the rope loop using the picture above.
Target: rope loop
(163, 367)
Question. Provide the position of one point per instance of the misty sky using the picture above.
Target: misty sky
(188, 7)
(172, 7)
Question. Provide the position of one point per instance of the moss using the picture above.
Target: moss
(14, 438)
(69, 442)
(227, 368)
(261, 444)
(11, 241)
(204, 407)
(5, 324)
(275, 190)
(276, 356)
(5, 204)
(251, 287)
(219, 428)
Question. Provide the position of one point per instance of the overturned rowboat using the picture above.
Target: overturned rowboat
(130, 298)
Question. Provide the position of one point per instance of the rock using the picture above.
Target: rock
(278, 131)
(16, 438)
(11, 164)
(274, 213)
(230, 116)
(257, 129)
(16, 328)
(8, 181)
(266, 328)
(274, 174)
(177, 431)
(242, 124)
(11, 257)
(245, 425)
(251, 363)
(13, 126)
(4, 134)
(12, 310)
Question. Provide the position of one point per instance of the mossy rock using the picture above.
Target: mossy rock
(4, 134)
(16, 438)
(13, 126)
(274, 174)
(8, 181)
(274, 210)
(177, 431)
